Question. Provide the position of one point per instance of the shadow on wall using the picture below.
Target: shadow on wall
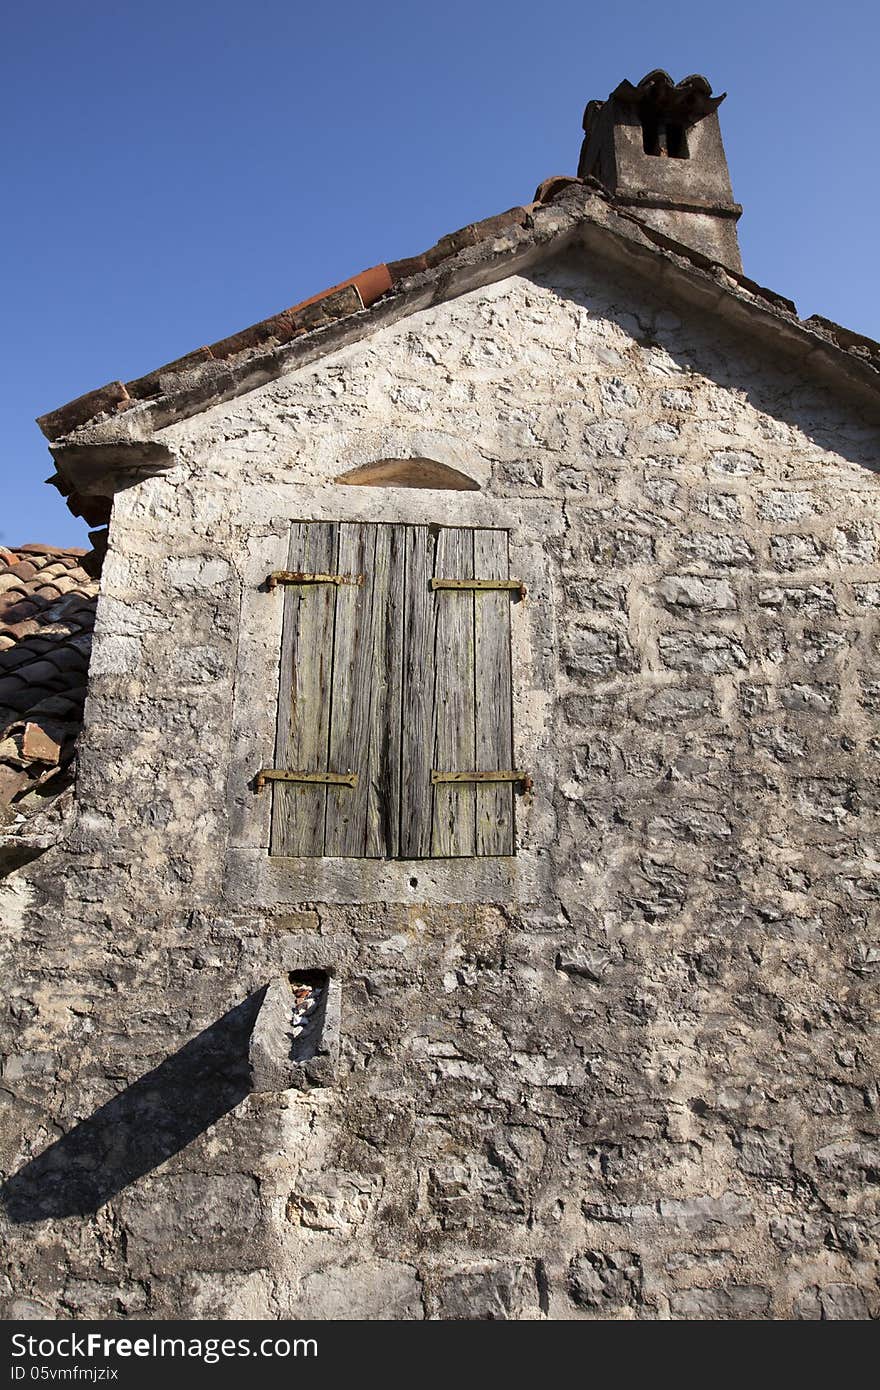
(750, 364)
(141, 1127)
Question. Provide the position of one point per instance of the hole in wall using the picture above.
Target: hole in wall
(676, 141)
(650, 135)
(309, 990)
(666, 139)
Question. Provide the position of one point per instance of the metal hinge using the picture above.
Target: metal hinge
(332, 779)
(296, 577)
(514, 584)
(513, 775)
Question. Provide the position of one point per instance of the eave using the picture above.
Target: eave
(108, 438)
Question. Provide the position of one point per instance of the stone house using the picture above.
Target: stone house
(463, 899)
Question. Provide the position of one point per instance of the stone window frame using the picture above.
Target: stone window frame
(254, 878)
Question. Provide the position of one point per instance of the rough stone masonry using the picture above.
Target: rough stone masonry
(628, 1072)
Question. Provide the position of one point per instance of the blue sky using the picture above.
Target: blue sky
(178, 171)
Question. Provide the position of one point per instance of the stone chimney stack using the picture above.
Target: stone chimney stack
(657, 148)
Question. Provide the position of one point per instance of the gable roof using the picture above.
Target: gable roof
(47, 611)
(106, 437)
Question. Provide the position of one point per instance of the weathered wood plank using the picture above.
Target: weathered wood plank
(417, 701)
(346, 823)
(382, 770)
(493, 712)
(304, 700)
(453, 831)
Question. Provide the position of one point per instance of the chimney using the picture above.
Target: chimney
(657, 149)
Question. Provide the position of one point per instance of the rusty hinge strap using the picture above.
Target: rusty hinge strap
(331, 779)
(512, 775)
(296, 577)
(514, 584)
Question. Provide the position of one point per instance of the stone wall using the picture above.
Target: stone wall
(631, 1073)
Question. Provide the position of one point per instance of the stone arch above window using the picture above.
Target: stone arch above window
(411, 472)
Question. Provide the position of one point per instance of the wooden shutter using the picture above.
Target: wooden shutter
(392, 681)
(304, 696)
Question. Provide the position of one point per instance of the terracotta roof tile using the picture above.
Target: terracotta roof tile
(349, 297)
(38, 745)
(9, 687)
(59, 706)
(23, 627)
(43, 554)
(47, 608)
(68, 659)
(25, 569)
(41, 671)
(10, 657)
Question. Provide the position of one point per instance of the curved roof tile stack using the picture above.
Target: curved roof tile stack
(47, 611)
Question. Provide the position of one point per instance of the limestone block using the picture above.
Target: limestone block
(736, 1301)
(606, 1282)
(382, 1291)
(716, 551)
(484, 1292)
(796, 552)
(706, 653)
(833, 1302)
(786, 506)
(688, 591)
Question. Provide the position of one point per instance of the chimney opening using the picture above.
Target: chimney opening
(665, 139)
(676, 141)
(650, 135)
